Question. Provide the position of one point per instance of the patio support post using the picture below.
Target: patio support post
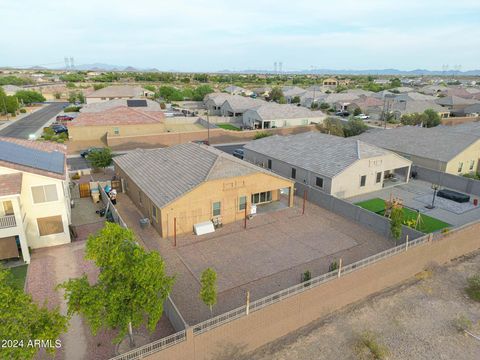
(339, 267)
(406, 242)
(247, 308)
(245, 217)
(175, 231)
(304, 200)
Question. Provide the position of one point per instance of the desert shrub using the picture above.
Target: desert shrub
(261, 134)
(368, 347)
(23, 111)
(462, 323)
(473, 288)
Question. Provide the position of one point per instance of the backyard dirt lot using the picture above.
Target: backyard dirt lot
(413, 321)
(269, 256)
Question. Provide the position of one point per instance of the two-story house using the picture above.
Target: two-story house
(35, 206)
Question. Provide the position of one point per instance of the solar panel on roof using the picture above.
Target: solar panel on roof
(137, 103)
(43, 160)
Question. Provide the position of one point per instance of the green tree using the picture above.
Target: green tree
(8, 104)
(354, 127)
(27, 96)
(23, 320)
(99, 86)
(152, 88)
(81, 97)
(396, 220)
(131, 288)
(14, 80)
(72, 97)
(276, 94)
(73, 77)
(208, 291)
(331, 126)
(101, 158)
(57, 95)
(200, 92)
(394, 83)
(432, 118)
(296, 100)
(357, 111)
(170, 93)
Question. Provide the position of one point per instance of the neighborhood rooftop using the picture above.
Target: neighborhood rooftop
(121, 115)
(167, 173)
(10, 184)
(117, 91)
(272, 111)
(31, 156)
(436, 143)
(324, 154)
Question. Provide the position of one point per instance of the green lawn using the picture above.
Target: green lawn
(19, 274)
(427, 224)
(228, 127)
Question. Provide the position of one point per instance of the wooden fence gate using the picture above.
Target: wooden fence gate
(84, 190)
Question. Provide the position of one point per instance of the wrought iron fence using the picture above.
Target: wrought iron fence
(153, 347)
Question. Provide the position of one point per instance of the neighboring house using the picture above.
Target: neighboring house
(118, 121)
(400, 108)
(11, 89)
(437, 148)
(118, 92)
(262, 91)
(140, 104)
(35, 206)
(368, 105)
(330, 82)
(271, 115)
(381, 81)
(234, 90)
(214, 101)
(236, 105)
(455, 102)
(190, 183)
(402, 89)
(290, 92)
(472, 110)
(342, 167)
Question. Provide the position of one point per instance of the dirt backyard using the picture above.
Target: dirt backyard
(413, 321)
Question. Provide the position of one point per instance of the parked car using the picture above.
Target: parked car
(88, 151)
(342, 113)
(239, 153)
(59, 128)
(362, 117)
(64, 118)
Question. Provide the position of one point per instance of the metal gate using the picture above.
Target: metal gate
(84, 190)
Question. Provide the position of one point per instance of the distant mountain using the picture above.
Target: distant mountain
(416, 72)
(109, 67)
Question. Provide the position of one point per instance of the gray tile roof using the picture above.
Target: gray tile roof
(274, 111)
(240, 103)
(436, 143)
(454, 100)
(168, 173)
(323, 154)
(118, 91)
(106, 105)
(415, 106)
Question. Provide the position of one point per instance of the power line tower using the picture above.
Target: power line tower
(280, 66)
(275, 67)
(72, 66)
(67, 64)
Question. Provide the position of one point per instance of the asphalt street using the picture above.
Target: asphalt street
(78, 163)
(30, 124)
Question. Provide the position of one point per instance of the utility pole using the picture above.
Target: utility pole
(208, 129)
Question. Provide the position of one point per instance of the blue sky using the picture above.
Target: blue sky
(211, 35)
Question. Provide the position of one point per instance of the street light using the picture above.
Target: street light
(435, 188)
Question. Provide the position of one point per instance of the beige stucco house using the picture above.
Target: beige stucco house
(117, 92)
(180, 186)
(440, 148)
(35, 206)
(341, 167)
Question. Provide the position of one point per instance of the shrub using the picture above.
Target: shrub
(306, 276)
(163, 106)
(333, 266)
(462, 323)
(60, 141)
(473, 288)
(28, 96)
(23, 111)
(57, 95)
(261, 134)
(72, 109)
(367, 344)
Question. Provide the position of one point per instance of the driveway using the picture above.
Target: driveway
(32, 123)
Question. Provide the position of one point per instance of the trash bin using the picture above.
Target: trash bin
(95, 195)
(144, 222)
(475, 202)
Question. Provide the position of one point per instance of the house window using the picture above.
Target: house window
(472, 165)
(216, 208)
(154, 213)
(460, 167)
(319, 182)
(294, 173)
(116, 131)
(44, 193)
(6, 209)
(363, 180)
(269, 164)
(262, 197)
(379, 177)
(242, 203)
(50, 225)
